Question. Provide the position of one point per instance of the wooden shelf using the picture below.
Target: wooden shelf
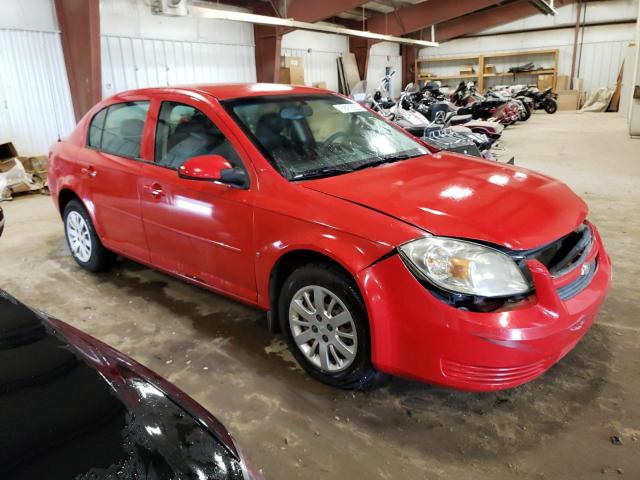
(446, 77)
(544, 71)
(447, 59)
(480, 61)
(521, 53)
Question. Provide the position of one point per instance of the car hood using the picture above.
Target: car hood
(456, 196)
(76, 408)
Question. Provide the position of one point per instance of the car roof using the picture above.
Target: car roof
(227, 91)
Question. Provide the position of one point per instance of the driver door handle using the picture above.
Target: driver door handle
(89, 171)
(155, 189)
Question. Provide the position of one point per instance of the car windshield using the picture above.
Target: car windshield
(320, 135)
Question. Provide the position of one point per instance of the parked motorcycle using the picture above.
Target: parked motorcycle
(543, 100)
(506, 112)
(440, 134)
(507, 92)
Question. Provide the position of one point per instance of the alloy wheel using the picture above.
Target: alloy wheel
(79, 237)
(323, 329)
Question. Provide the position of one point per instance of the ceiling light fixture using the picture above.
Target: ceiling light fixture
(545, 7)
(208, 12)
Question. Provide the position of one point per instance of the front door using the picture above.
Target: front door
(201, 230)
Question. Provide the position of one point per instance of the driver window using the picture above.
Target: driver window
(184, 132)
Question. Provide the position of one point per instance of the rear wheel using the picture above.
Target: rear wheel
(326, 327)
(550, 105)
(84, 244)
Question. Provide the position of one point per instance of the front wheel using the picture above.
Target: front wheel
(550, 105)
(85, 246)
(326, 327)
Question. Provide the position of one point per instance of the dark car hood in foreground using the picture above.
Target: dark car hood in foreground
(73, 408)
(456, 196)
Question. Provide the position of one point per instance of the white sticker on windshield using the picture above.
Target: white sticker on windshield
(349, 107)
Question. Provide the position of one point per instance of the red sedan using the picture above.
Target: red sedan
(372, 254)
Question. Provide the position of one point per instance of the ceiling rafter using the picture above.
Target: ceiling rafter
(418, 16)
(488, 18)
(315, 11)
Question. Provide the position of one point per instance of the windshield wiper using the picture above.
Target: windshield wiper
(322, 172)
(388, 159)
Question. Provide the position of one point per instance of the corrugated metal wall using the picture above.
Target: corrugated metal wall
(384, 55)
(35, 102)
(602, 53)
(319, 52)
(134, 62)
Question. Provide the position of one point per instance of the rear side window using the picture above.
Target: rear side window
(118, 129)
(96, 128)
(184, 132)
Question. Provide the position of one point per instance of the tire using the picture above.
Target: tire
(550, 106)
(340, 295)
(83, 242)
(526, 114)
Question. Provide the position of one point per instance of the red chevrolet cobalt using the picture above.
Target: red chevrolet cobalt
(372, 254)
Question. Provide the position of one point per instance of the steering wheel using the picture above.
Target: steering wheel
(332, 139)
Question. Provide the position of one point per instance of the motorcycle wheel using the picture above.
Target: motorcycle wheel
(526, 114)
(550, 106)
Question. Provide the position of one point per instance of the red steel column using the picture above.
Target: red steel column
(409, 53)
(360, 47)
(79, 22)
(268, 42)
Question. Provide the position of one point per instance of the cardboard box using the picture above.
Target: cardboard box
(545, 81)
(37, 164)
(295, 66)
(7, 165)
(568, 99)
(562, 82)
(489, 68)
(7, 151)
(285, 76)
(292, 62)
(466, 70)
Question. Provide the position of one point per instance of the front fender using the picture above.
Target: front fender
(280, 234)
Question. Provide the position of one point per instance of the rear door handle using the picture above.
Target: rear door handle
(89, 171)
(155, 189)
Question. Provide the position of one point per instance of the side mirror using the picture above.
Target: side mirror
(204, 167)
(213, 168)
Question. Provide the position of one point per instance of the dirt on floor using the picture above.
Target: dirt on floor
(220, 352)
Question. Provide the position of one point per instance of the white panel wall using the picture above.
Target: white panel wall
(35, 102)
(602, 53)
(596, 11)
(382, 55)
(36, 15)
(144, 50)
(319, 51)
(603, 47)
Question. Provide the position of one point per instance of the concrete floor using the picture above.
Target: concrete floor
(221, 353)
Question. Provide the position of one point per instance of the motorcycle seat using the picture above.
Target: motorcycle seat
(459, 119)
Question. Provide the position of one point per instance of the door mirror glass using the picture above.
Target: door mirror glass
(204, 167)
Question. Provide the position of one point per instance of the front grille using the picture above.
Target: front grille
(492, 375)
(565, 253)
(572, 289)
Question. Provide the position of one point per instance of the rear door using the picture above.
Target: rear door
(109, 168)
(201, 230)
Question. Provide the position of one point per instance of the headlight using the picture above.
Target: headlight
(464, 267)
